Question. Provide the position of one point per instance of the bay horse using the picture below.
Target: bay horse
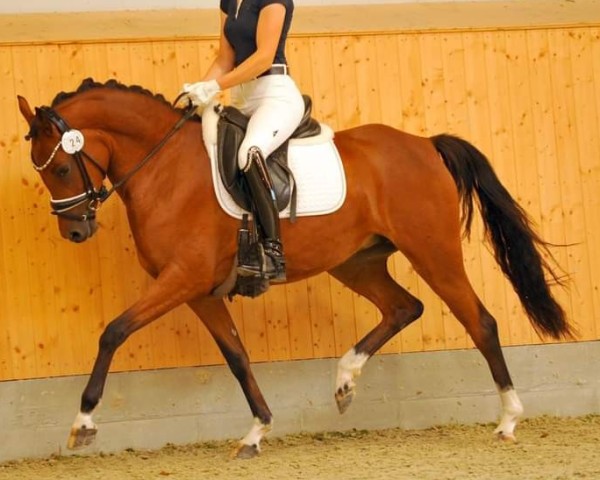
(404, 193)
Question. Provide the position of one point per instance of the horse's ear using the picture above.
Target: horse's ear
(25, 109)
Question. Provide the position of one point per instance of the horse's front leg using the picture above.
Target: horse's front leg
(216, 317)
(170, 290)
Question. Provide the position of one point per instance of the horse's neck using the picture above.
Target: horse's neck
(136, 131)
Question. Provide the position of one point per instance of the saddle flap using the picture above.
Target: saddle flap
(231, 129)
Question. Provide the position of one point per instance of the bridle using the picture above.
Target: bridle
(94, 197)
(72, 142)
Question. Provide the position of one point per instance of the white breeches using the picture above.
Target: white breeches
(275, 107)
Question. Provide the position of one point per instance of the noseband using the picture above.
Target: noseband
(72, 143)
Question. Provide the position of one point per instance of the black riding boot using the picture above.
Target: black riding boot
(272, 264)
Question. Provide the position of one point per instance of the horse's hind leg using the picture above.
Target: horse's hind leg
(441, 266)
(366, 273)
(216, 317)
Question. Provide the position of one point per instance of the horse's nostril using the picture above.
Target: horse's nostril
(76, 236)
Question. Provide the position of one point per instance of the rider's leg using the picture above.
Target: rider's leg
(275, 107)
(265, 208)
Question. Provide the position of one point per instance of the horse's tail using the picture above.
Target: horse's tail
(516, 245)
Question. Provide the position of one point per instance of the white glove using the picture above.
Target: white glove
(201, 93)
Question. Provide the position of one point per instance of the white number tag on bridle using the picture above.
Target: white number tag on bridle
(72, 141)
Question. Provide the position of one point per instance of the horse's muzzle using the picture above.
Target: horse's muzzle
(79, 231)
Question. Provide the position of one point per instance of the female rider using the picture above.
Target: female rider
(251, 62)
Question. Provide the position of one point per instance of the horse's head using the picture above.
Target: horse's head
(62, 155)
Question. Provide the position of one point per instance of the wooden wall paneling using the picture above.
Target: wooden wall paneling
(365, 63)
(502, 156)
(82, 307)
(321, 316)
(548, 165)
(95, 62)
(477, 114)
(323, 80)
(119, 61)
(71, 65)
(342, 311)
(37, 259)
(9, 155)
(523, 136)
(595, 38)
(567, 148)
(345, 81)
(387, 75)
(411, 87)
(413, 121)
(192, 59)
(587, 118)
(281, 324)
(255, 328)
(278, 331)
(301, 341)
(132, 64)
(320, 66)
(299, 61)
(177, 331)
(28, 221)
(457, 117)
(109, 241)
(167, 78)
(434, 337)
(146, 66)
(526, 99)
(319, 310)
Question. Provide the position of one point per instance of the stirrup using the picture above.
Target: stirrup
(268, 263)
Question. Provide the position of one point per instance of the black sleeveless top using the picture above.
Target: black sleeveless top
(240, 29)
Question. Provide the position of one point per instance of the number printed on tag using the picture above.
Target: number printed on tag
(72, 141)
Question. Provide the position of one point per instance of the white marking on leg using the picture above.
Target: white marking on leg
(512, 409)
(83, 421)
(349, 368)
(256, 433)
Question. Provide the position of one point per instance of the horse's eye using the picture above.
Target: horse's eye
(63, 170)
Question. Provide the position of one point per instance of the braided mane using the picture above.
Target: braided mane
(89, 84)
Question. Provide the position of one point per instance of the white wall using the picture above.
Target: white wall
(39, 6)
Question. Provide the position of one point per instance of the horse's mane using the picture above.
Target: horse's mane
(90, 84)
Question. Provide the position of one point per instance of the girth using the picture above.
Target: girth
(231, 130)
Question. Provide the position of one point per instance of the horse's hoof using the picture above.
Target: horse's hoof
(506, 437)
(344, 397)
(81, 437)
(245, 452)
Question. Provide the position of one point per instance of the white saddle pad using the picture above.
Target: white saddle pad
(315, 162)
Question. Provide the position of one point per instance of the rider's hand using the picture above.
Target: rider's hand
(201, 93)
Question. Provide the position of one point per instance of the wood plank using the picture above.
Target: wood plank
(478, 114)
(587, 124)
(413, 121)
(321, 317)
(432, 71)
(301, 341)
(549, 165)
(526, 173)
(503, 155)
(567, 147)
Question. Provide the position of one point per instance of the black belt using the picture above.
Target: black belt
(276, 70)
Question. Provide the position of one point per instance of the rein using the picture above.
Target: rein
(91, 195)
(189, 113)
